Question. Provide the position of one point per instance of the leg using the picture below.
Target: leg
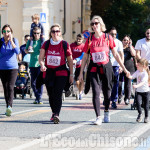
(139, 101)
(8, 78)
(35, 71)
(145, 100)
(59, 85)
(96, 93)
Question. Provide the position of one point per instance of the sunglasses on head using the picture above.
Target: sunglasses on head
(4, 31)
(55, 31)
(36, 33)
(96, 23)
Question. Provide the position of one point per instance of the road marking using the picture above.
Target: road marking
(55, 134)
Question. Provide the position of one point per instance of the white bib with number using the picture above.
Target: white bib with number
(53, 60)
(99, 57)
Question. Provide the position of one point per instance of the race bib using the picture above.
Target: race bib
(99, 57)
(53, 60)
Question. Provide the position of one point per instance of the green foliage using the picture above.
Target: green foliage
(128, 16)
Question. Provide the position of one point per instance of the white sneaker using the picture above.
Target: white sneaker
(98, 121)
(8, 111)
(106, 117)
(30, 51)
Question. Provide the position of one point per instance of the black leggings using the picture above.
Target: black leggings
(96, 88)
(8, 78)
(143, 98)
(55, 94)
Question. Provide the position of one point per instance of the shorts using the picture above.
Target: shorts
(77, 72)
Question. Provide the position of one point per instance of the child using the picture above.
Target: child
(22, 76)
(142, 88)
(36, 23)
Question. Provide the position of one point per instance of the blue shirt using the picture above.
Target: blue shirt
(8, 55)
(22, 50)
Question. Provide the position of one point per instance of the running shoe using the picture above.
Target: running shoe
(139, 118)
(113, 105)
(8, 111)
(98, 121)
(106, 117)
(52, 118)
(35, 102)
(56, 120)
(146, 120)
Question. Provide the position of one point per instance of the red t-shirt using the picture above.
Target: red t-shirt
(77, 52)
(55, 57)
(99, 49)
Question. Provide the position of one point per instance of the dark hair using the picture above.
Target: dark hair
(113, 28)
(7, 25)
(80, 35)
(27, 35)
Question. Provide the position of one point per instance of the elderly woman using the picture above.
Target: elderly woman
(98, 46)
(9, 48)
(55, 51)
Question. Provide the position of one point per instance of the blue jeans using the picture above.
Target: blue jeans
(35, 71)
(114, 93)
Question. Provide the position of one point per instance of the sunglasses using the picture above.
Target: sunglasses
(125, 40)
(113, 33)
(94, 23)
(36, 33)
(53, 31)
(4, 31)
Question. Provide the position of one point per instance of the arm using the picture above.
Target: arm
(132, 50)
(84, 60)
(15, 45)
(70, 63)
(20, 57)
(138, 85)
(80, 57)
(41, 60)
(117, 57)
(138, 54)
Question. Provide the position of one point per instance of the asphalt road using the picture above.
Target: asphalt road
(29, 127)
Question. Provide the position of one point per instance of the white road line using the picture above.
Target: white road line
(55, 134)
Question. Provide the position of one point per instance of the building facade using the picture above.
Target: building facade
(72, 15)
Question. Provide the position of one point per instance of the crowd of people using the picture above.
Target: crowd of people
(109, 62)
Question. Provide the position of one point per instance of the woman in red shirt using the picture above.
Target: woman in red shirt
(52, 60)
(101, 72)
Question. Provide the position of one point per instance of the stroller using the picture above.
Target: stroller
(20, 88)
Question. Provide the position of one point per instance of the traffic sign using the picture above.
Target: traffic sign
(43, 17)
(86, 34)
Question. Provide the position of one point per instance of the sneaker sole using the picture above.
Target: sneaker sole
(8, 112)
(56, 120)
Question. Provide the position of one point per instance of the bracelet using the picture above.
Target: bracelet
(71, 75)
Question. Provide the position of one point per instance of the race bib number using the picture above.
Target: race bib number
(53, 60)
(99, 57)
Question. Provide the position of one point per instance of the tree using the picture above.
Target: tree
(128, 16)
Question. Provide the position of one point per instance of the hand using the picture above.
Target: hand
(120, 70)
(43, 68)
(127, 73)
(80, 77)
(71, 79)
(130, 42)
(134, 86)
(10, 36)
(74, 62)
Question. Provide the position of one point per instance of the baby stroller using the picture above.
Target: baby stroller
(20, 88)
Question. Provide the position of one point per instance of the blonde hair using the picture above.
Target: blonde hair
(35, 16)
(100, 20)
(145, 64)
(54, 25)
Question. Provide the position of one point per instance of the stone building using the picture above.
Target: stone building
(72, 15)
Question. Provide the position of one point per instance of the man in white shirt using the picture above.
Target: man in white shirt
(116, 68)
(142, 47)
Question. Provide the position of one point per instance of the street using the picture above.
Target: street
(29, 127)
